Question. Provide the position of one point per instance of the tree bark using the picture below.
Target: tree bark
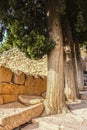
(70, 81)
(55, 98)
(79, 69)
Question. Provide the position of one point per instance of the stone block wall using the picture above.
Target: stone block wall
(17, 83)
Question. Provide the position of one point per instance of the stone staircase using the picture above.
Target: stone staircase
(74, 120)
(12, 115)
(84, 92)
(85, 79)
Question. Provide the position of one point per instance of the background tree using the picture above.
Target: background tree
(71, 90)
(77, 13)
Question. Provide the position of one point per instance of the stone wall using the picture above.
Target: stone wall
(13, 84)
(17, 60)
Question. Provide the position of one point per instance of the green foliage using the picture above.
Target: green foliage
(26, 27)
(4, 47)
(77, 13)
(34, 44)
(2, 31)
(38, 45)
(25, 22)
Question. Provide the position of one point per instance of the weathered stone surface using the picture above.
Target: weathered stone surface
(61, 122)
(5, 74)
(83, 95)
(9, 98)
(31, 127)
(30, 100)
(12, 89)
(79, 109)
(6, 90)
(17, 60)
(1, 100)
(14, 114)
(43, 94)
(2, 128)
(18, 78)
(35, 85)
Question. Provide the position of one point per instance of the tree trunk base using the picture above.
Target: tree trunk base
(48, 112)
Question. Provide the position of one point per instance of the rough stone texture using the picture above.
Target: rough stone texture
(18, 78)
(11, 89)
(76, 119)
(5, 74)
(17, 60)
(83, 95)
(10, 92)
(9, 98)
(14, 114)
(31, 127)
(2, 128)
(67, 121)
(43, 94)
(30, 100)
(79, 109)
(35, 85)
(1, 100)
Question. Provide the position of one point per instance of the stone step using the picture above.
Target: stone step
(83, 94)
(31, 127)
(34, 127)
(85, 87)
(13, 115)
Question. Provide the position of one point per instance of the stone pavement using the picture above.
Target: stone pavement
(76, 119)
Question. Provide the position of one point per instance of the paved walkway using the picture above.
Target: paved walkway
(74, 120)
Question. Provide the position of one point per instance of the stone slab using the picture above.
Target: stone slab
(30, 100)
(9, 98)
(14, 114)
(35, 85)
(11, 89)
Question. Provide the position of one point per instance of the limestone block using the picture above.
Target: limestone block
(5, 74)
(1, 100)
(18, 78)
(21, 89)
(16, 114)
(2, 128)
(9, 98)
(12, 89)
(43, 94)
(29, 80)
(0, 88)
(35, 85)
(30, 100)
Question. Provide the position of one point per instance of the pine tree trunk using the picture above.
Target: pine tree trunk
(70, 83)
(55, 98)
